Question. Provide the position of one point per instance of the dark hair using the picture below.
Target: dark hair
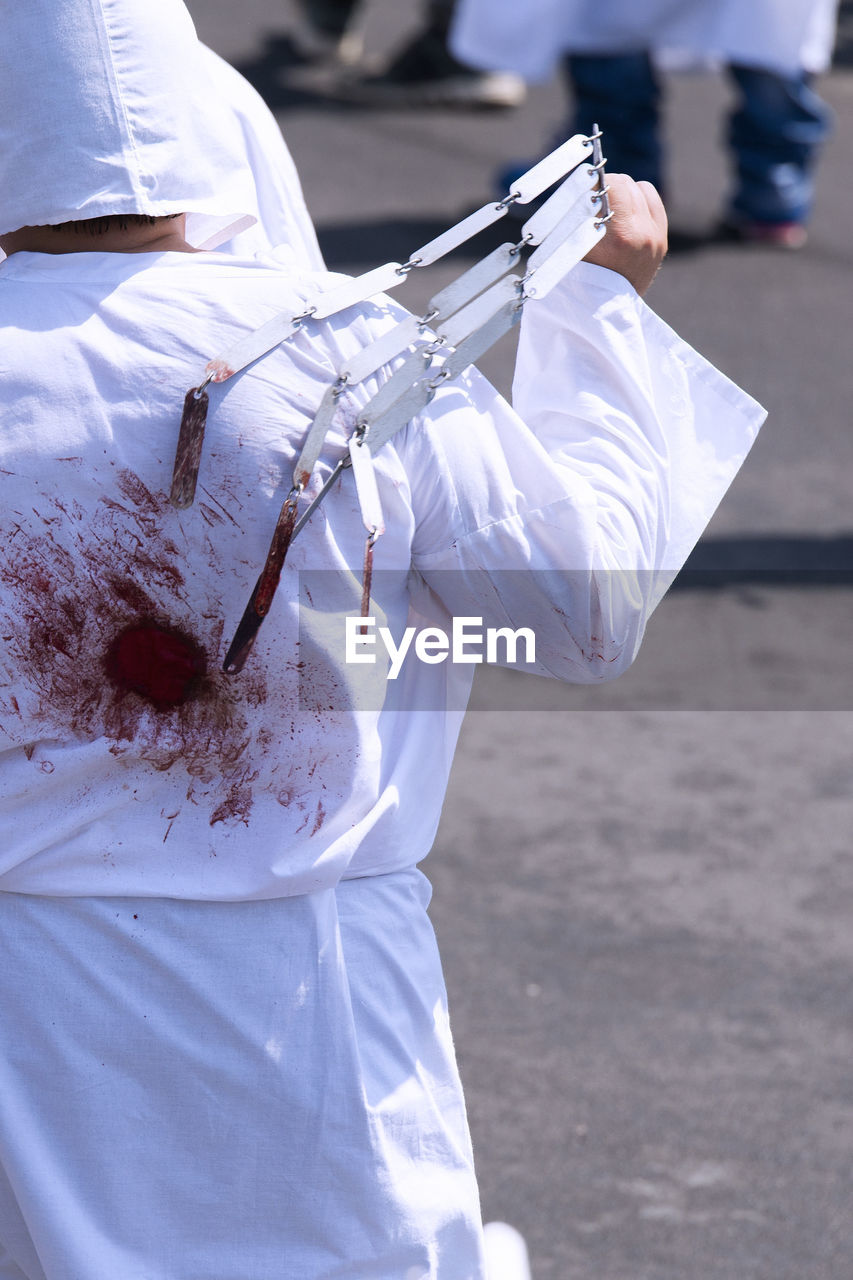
(112, 222)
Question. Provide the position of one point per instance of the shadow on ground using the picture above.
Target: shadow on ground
(774, 560)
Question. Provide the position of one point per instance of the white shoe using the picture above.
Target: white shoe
(506, 1253)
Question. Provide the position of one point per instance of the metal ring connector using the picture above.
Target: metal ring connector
(304, 315)
(517, 248)
(199, 391)
(433, 347)
(523, 295)
(441, 376)
(406, 267)
(600, 160)
(512, 198)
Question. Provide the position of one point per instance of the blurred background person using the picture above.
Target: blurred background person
(423, 72)
(611, 53)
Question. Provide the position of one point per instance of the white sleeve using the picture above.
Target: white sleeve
(572, 513)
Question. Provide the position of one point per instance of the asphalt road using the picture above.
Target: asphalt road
(644, 893)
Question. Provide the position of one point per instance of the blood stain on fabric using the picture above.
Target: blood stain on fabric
(113, 625)
(161, 664)
(101, 632)
(138, 493)
(237, 804)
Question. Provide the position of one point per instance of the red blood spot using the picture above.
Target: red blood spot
(158, 663)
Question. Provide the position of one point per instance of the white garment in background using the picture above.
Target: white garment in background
(530, 37)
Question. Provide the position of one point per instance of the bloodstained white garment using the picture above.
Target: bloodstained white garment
(223, 1046)
(225, 1050)
(781, 35)
(293, 774)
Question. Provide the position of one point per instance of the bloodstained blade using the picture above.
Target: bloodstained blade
(188, 453)
(264, 590)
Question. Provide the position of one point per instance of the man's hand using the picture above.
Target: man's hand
(635, 242)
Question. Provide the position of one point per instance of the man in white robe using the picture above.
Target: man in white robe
(224, 1049)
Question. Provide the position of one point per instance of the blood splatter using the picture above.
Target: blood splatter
(237, 804)
(106, 644)
(112, 617)
(218, 370)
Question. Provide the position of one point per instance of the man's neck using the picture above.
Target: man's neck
(163, 236)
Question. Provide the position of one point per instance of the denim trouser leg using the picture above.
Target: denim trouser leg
(775, 134)
(621, 93)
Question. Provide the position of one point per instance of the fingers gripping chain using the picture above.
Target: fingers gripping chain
(599, 160)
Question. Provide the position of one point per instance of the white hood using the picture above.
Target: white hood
(106, 107)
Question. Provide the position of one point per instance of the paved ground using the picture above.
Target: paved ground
(644, 893)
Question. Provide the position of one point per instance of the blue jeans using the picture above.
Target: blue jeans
(775, 131)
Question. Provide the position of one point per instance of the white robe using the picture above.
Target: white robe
(231, 1091)
(111, 111)
(530, 37)
(223, 1045)
(224, 1049)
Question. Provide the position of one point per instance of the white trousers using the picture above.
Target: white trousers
(231, 1091)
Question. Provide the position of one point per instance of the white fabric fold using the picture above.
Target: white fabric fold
(279, 204)
(217, 1089)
